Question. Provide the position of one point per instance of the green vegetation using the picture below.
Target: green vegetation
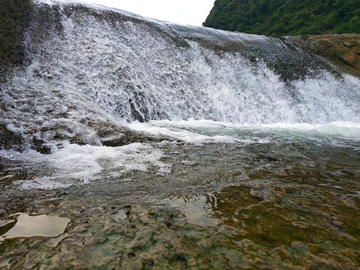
(12, 23)
(286, 17)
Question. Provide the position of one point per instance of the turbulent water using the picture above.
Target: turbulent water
(221, 116)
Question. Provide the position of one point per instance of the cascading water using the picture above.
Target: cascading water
(217, 116)
(84, 63)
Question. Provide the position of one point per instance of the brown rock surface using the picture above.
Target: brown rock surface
(342, 50)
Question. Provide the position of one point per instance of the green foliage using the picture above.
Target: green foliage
(286, 17)
(12, 23)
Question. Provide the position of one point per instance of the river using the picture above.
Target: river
(160, 146)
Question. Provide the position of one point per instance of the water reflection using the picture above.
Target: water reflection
(30, 226)
(197, 208)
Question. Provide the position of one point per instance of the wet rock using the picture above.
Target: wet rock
(299, 246)
(41, 146)
(54, 242)
(113, 135)
(6, 225)
(10, 139)
(44, 139)
(300, 224)
(82, 233)
(120, 215)
(114, 141)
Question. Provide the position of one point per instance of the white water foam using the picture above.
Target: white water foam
(82, 164)
(125, 70)
(200, 131)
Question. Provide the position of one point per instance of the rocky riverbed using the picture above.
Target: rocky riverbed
(222, 206)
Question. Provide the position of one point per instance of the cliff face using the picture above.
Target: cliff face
(342, 50)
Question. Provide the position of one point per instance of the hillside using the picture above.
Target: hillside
(286, 17)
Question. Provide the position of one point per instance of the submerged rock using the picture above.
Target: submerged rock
(114, 135)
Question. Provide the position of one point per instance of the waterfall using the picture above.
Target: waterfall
(86, 65)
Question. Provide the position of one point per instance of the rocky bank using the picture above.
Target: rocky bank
(343, 50)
